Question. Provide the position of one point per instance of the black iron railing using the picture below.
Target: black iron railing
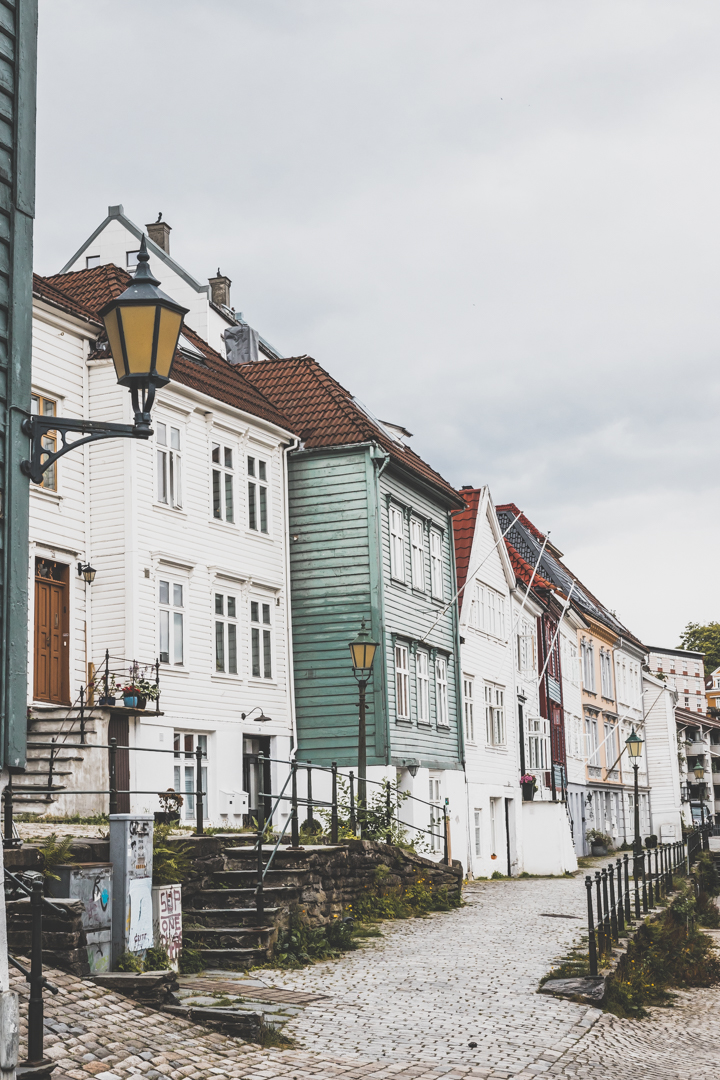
(631, 886)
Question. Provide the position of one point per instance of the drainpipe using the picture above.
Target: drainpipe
(287, 447)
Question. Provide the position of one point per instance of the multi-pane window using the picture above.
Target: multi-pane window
(606, 674)
(223, 483)
(611, 745)
(441, 692)
(436, 565)
(397, 544)
(260, 640)
(422, 665)
(436, 814)
(526, 648)
(469, 707)
(489, 611)
(537, 743)
(477, 823)
(226, 640)
(417, 554)
(42, 406)
(402, 683)
(172, 622)
(593, 742)
(185, 778)
(494, 714)
(257, 471)
(169, 465)
(588, 664)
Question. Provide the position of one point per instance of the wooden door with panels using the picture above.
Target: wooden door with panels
(52, 633)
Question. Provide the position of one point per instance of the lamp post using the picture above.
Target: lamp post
(699, 770)
(634, 746)
(143, 325)
(362, 653)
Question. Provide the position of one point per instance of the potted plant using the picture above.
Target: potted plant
(600, 842)
(131, 697)
(171, 801)
(529, 787)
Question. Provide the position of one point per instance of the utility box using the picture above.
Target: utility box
(233, 803)
(91, 883)
(131, 850)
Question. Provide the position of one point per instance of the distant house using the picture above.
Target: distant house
(684, 670)
(371, 539)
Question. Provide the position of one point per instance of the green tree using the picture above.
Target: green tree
(704, 639)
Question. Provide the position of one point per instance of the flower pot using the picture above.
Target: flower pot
(528, 792)
(141, 701)
(130, 701)
(107, 700)
(167, 817)
(598, 849)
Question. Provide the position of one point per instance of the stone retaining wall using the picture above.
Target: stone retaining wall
(64, 940)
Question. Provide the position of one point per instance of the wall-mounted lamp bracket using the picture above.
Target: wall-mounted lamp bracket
(36, 427)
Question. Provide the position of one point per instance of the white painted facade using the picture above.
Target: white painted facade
(662, 752)
(108, 510)
(684, 671)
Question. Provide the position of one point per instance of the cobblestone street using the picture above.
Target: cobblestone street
(408, 1005)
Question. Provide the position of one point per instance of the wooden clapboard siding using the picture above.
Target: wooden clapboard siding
(331, 594)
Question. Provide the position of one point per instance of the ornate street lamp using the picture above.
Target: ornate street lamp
(143, 325)
(634, 746)
(362, 654)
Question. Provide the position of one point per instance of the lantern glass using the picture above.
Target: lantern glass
(112, 330)
(362, 651)
(89, 573)
(699, 770)
(634, 745)
(138, 324)
(168, 335)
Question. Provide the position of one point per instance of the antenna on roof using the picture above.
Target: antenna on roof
(159, 217)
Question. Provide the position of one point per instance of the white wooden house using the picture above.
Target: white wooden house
(187, 533)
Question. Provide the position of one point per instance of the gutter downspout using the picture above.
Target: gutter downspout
(380, 461)
(287, 448)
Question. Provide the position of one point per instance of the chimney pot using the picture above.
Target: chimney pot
(159, 233)
(220, 289)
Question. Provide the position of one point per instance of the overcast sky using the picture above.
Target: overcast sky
(495, 223)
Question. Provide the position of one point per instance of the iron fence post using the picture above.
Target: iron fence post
(35, 1005)
(388, 818)
(112, 768)
(334, 809)
(199, 807)
(8, 812)
(107, 673)
(620, 911)
(446, 823)
(157, 684)
(644, 884)
(607, 932)
(636, 879)
(651, 896)
(592, 946)
(294, 825)
(52, 763)
(259, 894)
(82, 715)
(613, 912)
(600, 922)
(310, 819)
(626, 873)
(353, 818)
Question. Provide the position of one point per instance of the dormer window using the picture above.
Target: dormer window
(91, 261)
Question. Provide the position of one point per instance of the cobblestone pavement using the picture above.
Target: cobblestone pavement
(406, 1007)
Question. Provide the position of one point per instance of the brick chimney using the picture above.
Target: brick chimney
(159, 233)
(220, 286)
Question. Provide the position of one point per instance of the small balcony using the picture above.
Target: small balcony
(696, 748)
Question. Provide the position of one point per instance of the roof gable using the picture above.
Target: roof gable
(325, 414)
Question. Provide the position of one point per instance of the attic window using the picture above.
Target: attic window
(132, 258)
(187, 348)
(91, 261)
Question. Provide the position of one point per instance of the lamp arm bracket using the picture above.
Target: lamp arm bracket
(36, 427)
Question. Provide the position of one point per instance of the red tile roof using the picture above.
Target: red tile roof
(324, 413)
(463, 532)
(524, 571)
(43, 289)
(512, 509)
(90, 290)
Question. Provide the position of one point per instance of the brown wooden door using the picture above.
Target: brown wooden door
(51, 640)
(119, 729)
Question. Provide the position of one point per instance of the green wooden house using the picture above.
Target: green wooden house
(370, 538)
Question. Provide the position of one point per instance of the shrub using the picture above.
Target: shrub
(157, 959)
(190, 961)
(129, 962)
(172, 863)
(56, 853)
(706, 873)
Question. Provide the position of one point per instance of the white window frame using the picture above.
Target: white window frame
(592, 738)
(442, 715)
(477, 831)
(402, 681)
(184, 779)
(168, 465)
(49, 480)
(222, 482)
(606, 687)
(526, 648)
(226, 632)
(258, 493)
(436, 565)
(538, 744)
(172, 630)
(491, 610)
(588, 665)
(437, 817)
(469, 707)
(417, 554)
(261, 640)
(422, 676)
(494, 698)
(396, 525)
